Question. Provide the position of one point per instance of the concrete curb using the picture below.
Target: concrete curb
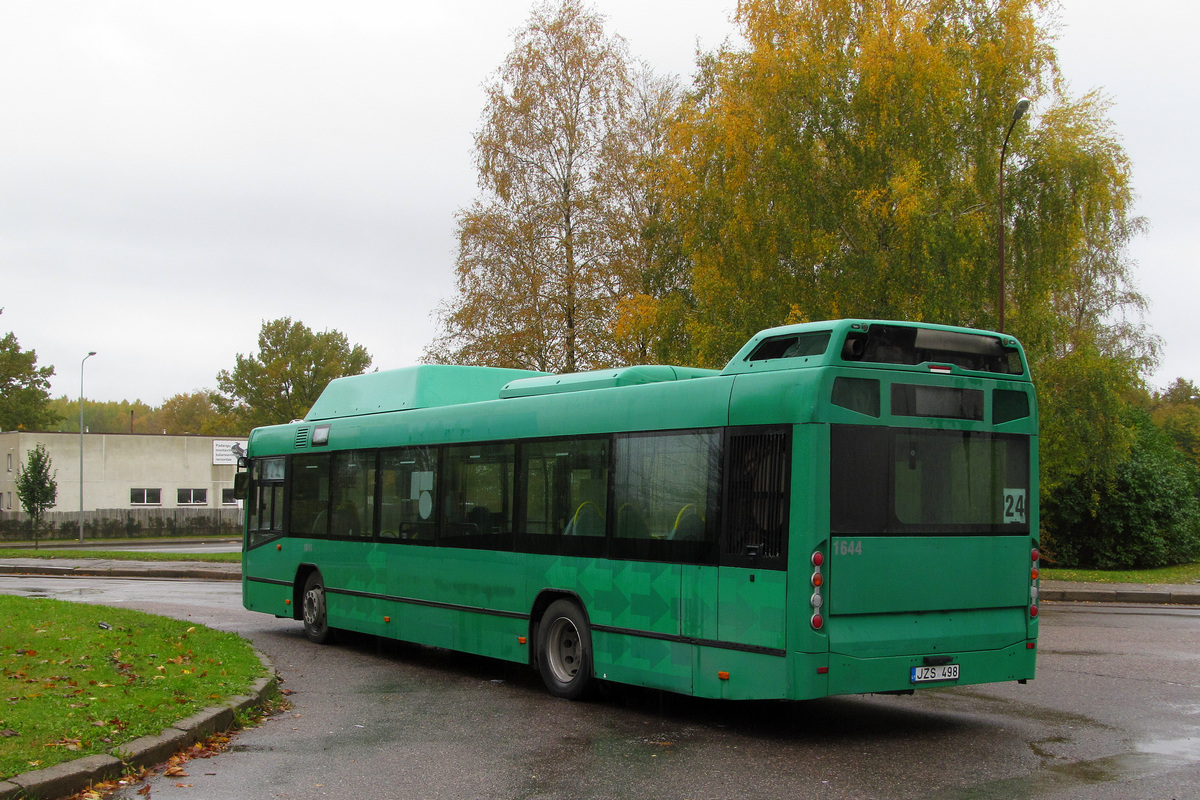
(70, 777)
(185, 573)
(1120, 593)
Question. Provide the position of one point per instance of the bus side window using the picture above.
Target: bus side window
(353, 494)
(566, 487)
(309, 500)
(408, 479)
(665, 485)
(478, 496)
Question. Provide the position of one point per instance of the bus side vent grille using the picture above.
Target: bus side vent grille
(756, 508)
(301, 438)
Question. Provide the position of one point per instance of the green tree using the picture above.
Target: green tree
(184, 413)
(547, 253)
(24, 388)
(1177, 412)
(655, 299)
(37, 487)
(195, 412)
(287, 375)
(108, 416)
(845, 163)
(1145, 514)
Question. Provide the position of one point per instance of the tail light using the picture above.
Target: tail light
(817, 580)
(1034, 556)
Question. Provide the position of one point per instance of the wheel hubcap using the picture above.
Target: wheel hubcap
(314, 608)
(563, 651)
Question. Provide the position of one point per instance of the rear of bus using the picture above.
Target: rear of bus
(928, 576)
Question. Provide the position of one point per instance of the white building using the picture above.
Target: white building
(125, 471)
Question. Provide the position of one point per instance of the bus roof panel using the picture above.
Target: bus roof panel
(601, 379)
(425, 386)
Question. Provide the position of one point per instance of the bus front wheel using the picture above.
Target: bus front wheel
(565, 650)
(316, 620)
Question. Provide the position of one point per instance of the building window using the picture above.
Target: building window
(227, 498)
(192, 497)
(145, 497)
(10, 462)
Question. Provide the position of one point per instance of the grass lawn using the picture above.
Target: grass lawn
(1180, 573)
(123, 555)
(81, 679)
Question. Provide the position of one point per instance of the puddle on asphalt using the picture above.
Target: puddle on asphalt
(1186, 749)
(1059, 778)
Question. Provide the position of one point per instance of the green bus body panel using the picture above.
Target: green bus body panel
(752, 607)
(889, 574)
(698, 602)
(926, 633)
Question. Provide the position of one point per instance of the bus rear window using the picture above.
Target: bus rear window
(896, 481)
(897, 344)
(948, 402)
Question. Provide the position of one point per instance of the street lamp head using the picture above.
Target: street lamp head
(91, 352)
(1021, 108)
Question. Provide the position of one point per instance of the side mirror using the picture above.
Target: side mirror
(241, 485)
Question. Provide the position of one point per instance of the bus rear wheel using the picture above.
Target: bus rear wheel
(316, 619)
(565, 650)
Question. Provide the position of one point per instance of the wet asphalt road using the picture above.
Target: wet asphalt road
(1114, 713)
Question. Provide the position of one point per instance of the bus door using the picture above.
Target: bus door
(752, 577)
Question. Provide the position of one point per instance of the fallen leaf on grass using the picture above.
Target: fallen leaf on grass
(70, 744)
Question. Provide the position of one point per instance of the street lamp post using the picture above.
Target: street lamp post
(81, 363)
(1018, 112)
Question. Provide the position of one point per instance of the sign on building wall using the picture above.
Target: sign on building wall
(223, 450)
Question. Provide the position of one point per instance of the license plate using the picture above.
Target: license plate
(945, 672)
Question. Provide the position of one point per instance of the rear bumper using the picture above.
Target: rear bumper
(850, 675)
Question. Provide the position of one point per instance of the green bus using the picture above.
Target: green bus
(846, 507)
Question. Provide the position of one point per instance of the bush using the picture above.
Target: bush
(1146, 514)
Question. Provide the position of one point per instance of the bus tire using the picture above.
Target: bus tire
(565, 650)
(316, 615)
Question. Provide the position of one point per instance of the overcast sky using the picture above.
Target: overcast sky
(172, 175)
